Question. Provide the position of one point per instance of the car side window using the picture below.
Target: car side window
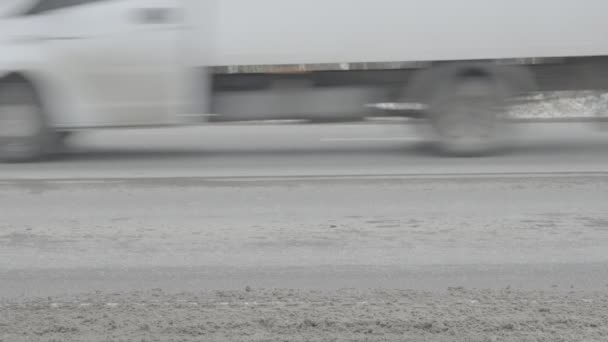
(44, 6)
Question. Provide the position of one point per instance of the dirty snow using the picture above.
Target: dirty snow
(455, 314)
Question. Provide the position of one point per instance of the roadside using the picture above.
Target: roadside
(456, 315)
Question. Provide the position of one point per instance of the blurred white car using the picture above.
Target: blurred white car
(85, 63)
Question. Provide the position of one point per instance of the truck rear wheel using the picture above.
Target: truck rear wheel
(466, 114)
(24, 135)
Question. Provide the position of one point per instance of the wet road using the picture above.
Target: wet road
(306, 206)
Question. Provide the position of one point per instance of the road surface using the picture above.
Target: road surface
(306, 232)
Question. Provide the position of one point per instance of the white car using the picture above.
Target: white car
(67, 64)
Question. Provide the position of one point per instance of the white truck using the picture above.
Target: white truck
(68, 65)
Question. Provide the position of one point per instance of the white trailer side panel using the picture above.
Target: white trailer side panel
(262, 32)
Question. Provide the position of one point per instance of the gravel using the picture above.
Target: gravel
(456, 314)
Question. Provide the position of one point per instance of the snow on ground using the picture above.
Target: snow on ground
(563, 105)
(456, 314)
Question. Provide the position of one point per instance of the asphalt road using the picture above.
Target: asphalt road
(311, 150)
(306, 206)
(184, 234)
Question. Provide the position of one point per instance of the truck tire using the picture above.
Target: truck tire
(466, 114)
(24, 134)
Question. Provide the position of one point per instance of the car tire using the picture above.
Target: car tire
(24, 133)
(466, 115)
